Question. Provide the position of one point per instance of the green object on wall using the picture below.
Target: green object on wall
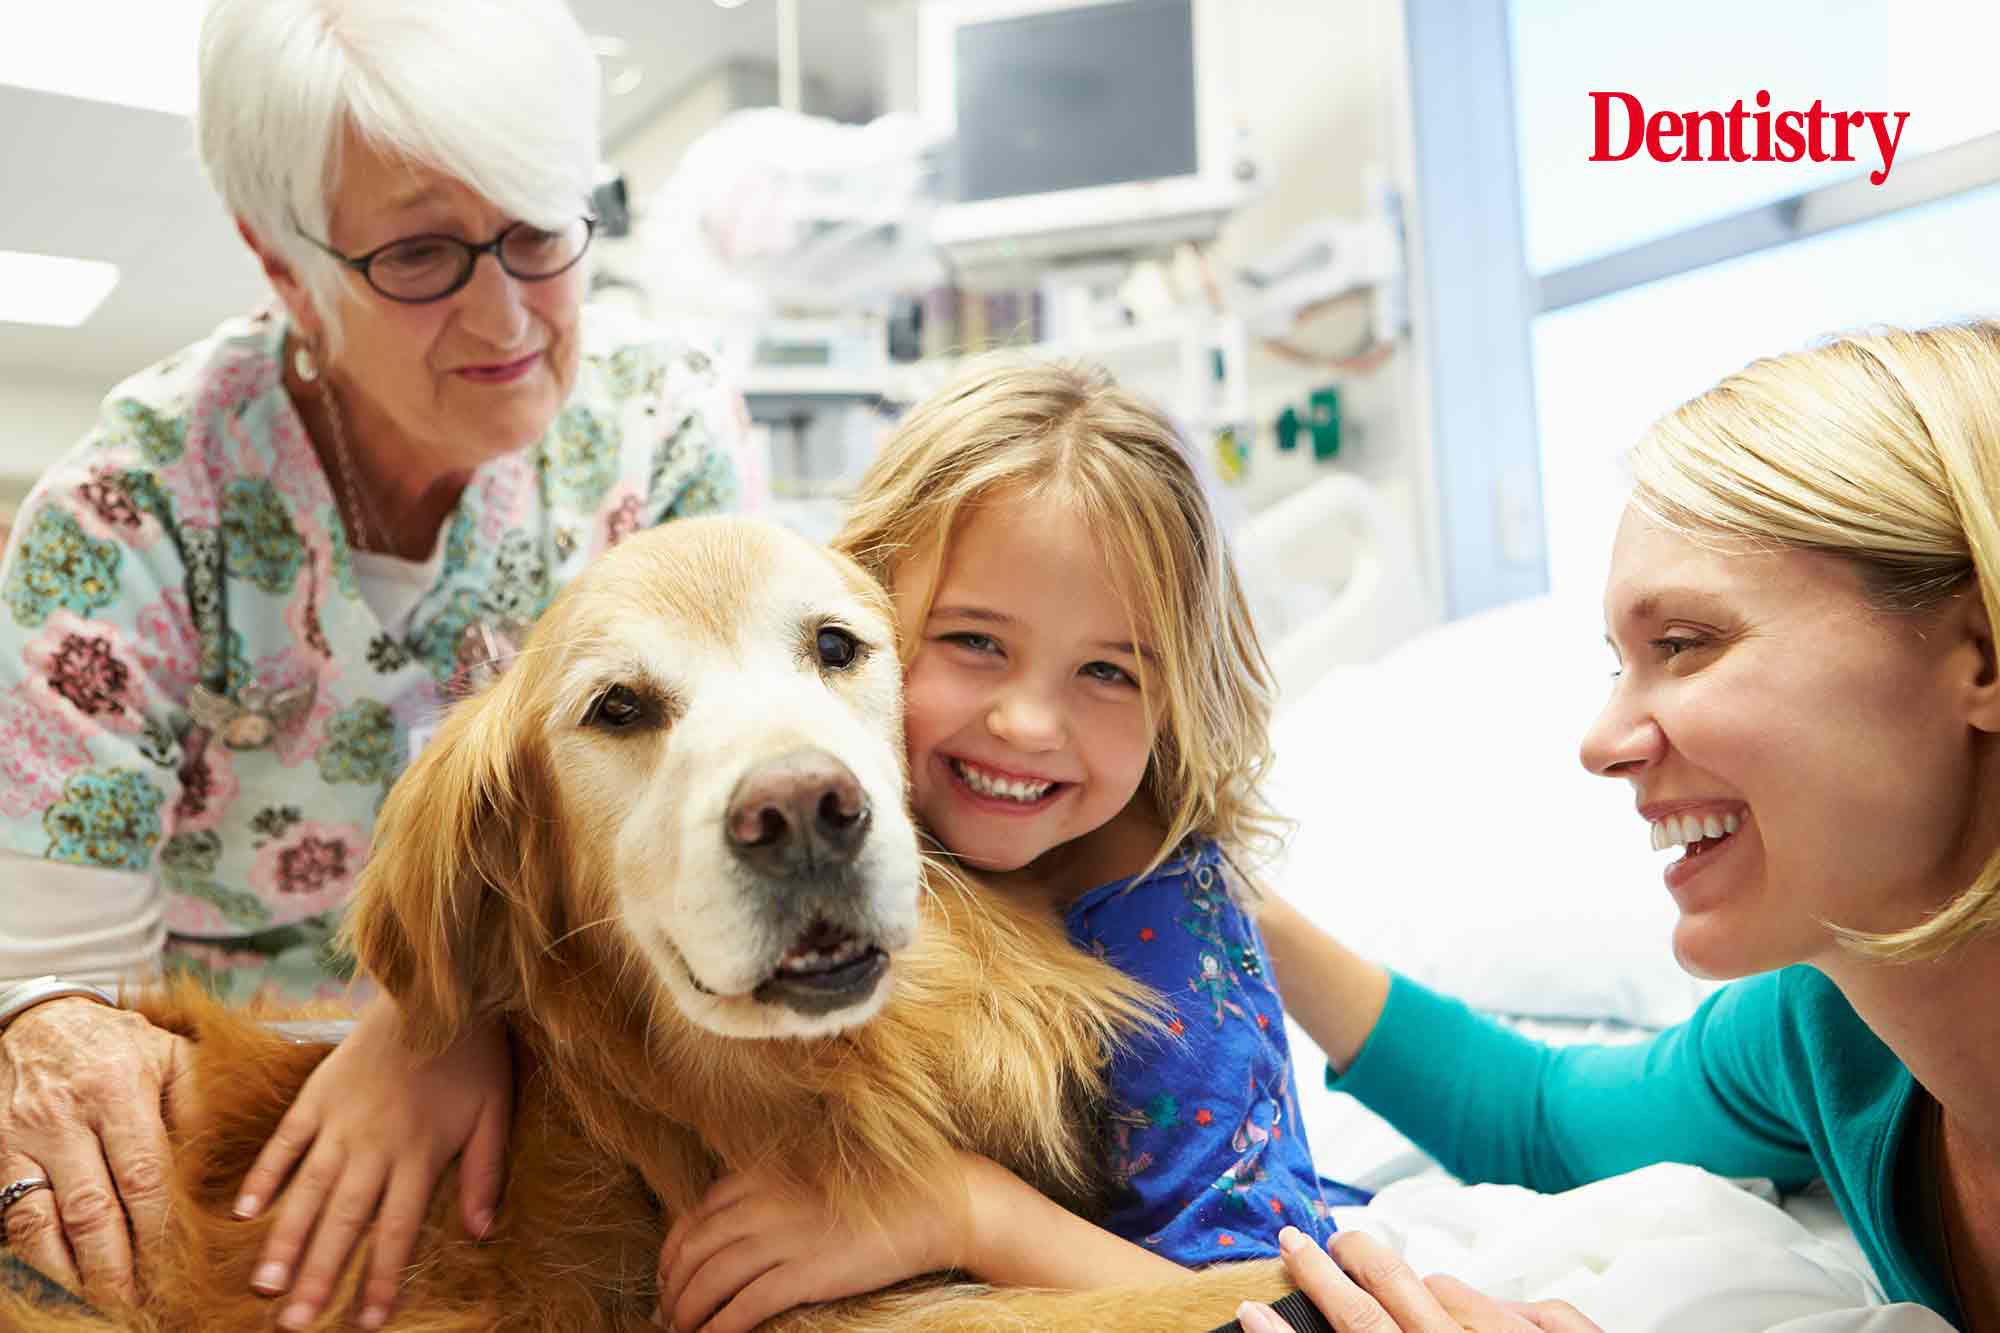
(1325, 421)
(1288, 430)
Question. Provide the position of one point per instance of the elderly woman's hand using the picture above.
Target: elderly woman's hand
(82, 1092)
(1371, 1290)
(376, 1128)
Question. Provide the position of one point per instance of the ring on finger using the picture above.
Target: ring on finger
(16, 1192)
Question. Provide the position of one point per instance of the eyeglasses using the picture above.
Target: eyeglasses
(424, 268)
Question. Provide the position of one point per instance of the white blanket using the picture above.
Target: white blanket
(1668, 1249)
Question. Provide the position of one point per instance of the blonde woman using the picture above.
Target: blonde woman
(1085, 706)
(1802, 600)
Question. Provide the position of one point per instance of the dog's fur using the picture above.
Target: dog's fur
(578, 879)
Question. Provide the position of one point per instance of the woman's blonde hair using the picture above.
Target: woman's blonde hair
(1882, 448)
(1026, 427)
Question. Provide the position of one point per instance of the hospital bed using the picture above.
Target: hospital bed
(1446, 829)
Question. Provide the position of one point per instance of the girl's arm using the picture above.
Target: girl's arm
(754, 1249)
(1018, 1237)
(376, 1127)
(1336, 995)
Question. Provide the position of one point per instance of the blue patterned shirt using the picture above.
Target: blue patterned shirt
(1206, 1141)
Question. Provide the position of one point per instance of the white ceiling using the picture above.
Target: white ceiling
(676, 41)
(98, 181)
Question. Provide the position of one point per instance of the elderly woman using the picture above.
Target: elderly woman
(235, 609)
(1802, 600)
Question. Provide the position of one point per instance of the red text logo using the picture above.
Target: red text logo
(1622, 128)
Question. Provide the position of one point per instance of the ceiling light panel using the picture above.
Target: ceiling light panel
(50, 289)
(122, 51)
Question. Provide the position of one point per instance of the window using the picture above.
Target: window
(1629, 286)
(1605, 369)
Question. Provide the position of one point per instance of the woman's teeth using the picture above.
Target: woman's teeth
(1007, 789)
(1682, 830)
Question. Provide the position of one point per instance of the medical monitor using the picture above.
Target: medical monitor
(1081, 126)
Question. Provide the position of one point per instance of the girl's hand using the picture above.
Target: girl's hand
(377, 1127)
(82, 1086)
(753, 1249)
(1379, 1293)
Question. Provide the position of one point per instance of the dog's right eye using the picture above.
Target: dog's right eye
(617, 708)
(836, 647)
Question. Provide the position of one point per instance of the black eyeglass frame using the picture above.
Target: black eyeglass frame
(361, 263)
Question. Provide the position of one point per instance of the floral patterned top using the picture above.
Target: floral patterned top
(1206, 1143)
(192, 538)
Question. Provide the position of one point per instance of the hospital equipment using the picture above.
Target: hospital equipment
(1333, 579)
(1325, 261)
(1082, 126)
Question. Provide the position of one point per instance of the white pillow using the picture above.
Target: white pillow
(1447, 830)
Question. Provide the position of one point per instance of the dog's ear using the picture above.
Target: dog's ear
(462, 872)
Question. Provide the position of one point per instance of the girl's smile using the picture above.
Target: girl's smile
(1002, 791)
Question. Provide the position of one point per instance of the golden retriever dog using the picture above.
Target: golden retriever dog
(671, 846)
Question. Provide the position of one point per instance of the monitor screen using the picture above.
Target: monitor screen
(1090, 95)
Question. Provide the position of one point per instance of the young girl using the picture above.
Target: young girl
(1086, 708)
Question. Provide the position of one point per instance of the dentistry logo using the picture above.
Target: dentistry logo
(1622, 128)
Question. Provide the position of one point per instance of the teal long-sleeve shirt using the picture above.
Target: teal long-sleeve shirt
(1773, 1076)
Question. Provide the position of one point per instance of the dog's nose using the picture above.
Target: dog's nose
(797, 814)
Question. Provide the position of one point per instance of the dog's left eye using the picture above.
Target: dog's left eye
(837, 648)
(617, 708)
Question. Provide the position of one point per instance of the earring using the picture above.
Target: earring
(303, 364)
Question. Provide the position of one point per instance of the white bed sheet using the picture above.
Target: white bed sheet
(1667, 1249)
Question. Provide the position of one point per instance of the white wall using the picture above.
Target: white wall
(42, 414)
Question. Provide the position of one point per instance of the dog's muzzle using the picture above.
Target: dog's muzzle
(800, 822)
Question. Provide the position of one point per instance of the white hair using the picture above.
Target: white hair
(501, 95)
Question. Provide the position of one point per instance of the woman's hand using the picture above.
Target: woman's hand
(1379, 1293)
(376, 1128)
(82, 1087)
(753, 1249)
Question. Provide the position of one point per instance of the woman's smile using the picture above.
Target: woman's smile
(501, 372)
(1710, 845)
(1701, 828)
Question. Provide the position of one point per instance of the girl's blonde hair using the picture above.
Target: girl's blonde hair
(1036, 428)
(1882, 448)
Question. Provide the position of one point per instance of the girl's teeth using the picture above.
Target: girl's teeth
(1005, 788)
